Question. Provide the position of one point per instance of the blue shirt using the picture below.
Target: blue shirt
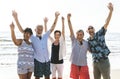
(41, 47)
(98, 47)
(79, 52)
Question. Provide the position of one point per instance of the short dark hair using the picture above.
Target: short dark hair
(29, 30)
(90, 27)
(80, 31)
(57, 31)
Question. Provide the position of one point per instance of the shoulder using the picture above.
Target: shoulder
(85, 41)
(19, 42)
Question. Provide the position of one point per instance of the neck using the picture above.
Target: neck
(27, 41)
(56, 40)
(91, 36)
(80, 39)
(39, 35)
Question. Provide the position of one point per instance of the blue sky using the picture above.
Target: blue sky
(84, 13)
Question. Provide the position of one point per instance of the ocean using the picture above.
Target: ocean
(8, 51)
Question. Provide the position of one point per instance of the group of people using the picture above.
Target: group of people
(33, 54)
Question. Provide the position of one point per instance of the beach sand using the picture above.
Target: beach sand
(11, 72)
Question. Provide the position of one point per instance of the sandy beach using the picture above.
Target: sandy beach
(11, 72)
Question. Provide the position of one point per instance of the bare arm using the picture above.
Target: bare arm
(16, 41)
(63, 28)
(55, 21)
(45, 23)
(70, 24)
(14, 14)
(110, 7)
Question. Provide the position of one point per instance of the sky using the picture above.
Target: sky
(84, 13)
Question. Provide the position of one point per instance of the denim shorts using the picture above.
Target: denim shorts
(41, 69)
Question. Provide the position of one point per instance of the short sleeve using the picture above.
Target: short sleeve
(101, 32)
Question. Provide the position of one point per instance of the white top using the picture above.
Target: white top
(62, 49)
(40, 47)
(78, 55)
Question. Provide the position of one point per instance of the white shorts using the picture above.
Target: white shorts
(57, 68)
(23, 69)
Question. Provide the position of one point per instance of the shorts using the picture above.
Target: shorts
(41, 69)
(58, 68)
(23, 69)
(79, 72)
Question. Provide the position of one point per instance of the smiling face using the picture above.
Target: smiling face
(91, 30)
(27, 35)
(57, 34)
(80, 34)
(39, 30)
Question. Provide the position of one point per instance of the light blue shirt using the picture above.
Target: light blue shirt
(41, 47)
(79, 52)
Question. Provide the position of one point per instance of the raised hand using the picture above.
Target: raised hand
(110, 6)
(57, 14)
(45, 20)
(14, 13)
(68, 16)
(12, 26)
(63, 18)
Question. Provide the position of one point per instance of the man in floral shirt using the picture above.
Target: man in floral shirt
(99, 49)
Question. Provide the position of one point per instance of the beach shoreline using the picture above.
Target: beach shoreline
(10, 72)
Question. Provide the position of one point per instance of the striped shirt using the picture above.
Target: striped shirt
(25, 54)
(78, 55)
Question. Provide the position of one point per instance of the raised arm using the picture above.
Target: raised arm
(70, 25)
(55, 21)
(110, 7)
(16, 41)
(45, 26)
(63, 28)
(14, 14)
(45, 23)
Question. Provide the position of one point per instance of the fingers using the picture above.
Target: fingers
(57, 13)
(110, 6)
(45, 19)
(12, 25)
(63, 18)
(68, 15)
(14, 13)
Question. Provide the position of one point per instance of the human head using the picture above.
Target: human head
(27, 33)
(57, 34)
(39, 30)
(80, 34)
(91, 30)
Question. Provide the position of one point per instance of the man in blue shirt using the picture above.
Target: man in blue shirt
(99, 49)
(39, 43)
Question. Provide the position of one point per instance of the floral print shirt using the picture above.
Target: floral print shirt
(98, 47)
